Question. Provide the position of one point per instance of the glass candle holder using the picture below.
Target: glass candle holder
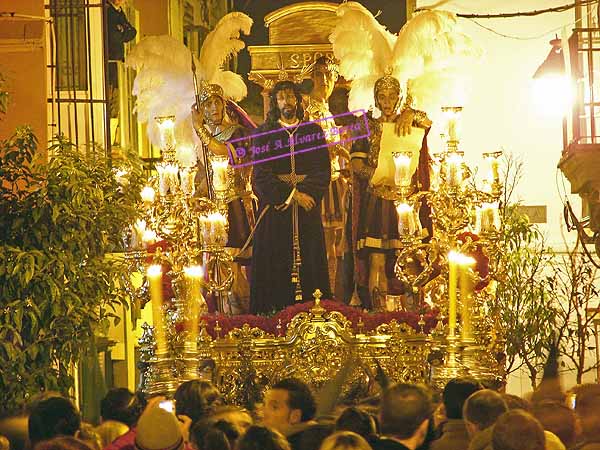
(219, 165)
(402, 174)
(454, 170)
(187, 176)
(487, 218)
(166, 128)
(408, 220)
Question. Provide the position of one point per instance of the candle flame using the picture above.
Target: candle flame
(148, 194)
(193, 271)
(154, 270)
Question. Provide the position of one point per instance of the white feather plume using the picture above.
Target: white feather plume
(220, 44)
(430, 52)
(436, 57)
(164, 83)
(362, 45)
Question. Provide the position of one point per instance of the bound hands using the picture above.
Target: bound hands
(304, 200)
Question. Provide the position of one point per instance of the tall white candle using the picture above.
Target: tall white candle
(467, 277)
(193, 276)
(154, 274)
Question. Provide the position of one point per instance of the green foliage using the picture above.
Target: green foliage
(59, 285)
(575, 291)
(524, 307)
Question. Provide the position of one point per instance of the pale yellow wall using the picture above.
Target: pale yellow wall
(154, 17)
(23, 65)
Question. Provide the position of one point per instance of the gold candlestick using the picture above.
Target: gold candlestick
(195, 300)
(467, 277)
(453, 259)
(154, 274)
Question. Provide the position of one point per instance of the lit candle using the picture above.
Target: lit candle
(454, 171)
(186, 155)
(148, 194)
(166, 127)
(171, 171)
(467, 277)
(487, 218)
(406, 219)
(219, 168)
(205, 229)
(453, 259)
(402, 175)
(452, 115)
(193, 276)
(148, 237)
(154, 274)
(218, 228)
(187, 176)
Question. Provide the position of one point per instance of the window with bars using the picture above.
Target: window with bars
(71, 55)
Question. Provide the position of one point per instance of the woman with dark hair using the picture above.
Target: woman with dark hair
(291, 173)
(262, 438)
(196, 398)
(56, 416)
(120, 409)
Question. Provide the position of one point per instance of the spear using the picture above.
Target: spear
(204, 157)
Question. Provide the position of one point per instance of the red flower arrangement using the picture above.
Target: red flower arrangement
(269, 323)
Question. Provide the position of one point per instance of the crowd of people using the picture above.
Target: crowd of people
(465, 416)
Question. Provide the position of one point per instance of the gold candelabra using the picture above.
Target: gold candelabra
(440, 268)
(192, 257)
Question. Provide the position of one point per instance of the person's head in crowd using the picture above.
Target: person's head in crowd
(482, 409)
(518, 430)
(63, 443)
(288, 403)
(56, 416)
(88, 434)
(110, 430)
(262, 438)
(456, 392)
(239, 418)
(312, 436)
(405, 413)
(4, 444)
(208, 434)
(516, 402)
(587, 408)
(557, 418)
(345, 440)
(158, 429)
(356, 420)
(196, 399)
(121, 405)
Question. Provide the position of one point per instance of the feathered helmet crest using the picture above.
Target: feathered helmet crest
(429, 52)
(164, 84)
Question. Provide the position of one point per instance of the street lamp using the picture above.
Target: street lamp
(553, 91)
